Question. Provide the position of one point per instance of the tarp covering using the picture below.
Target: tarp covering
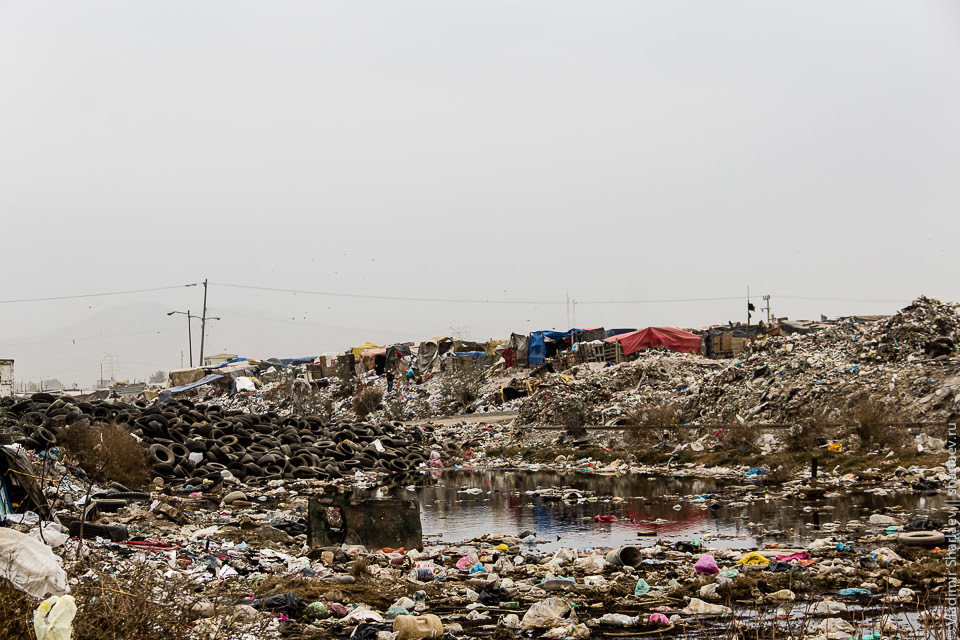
(609, 333)
(369, 357)
(668, 337)
(475, 355)
(492, 345)
(179, 377)
(166, 394)
(360, 348)
(395, 353)
(536, 349)
(520, 345)
(20, 488)
(430, 350)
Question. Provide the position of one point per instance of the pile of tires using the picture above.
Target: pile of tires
(195, 441)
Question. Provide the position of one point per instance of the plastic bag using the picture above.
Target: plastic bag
(30, 565)
(641, 588)
(696, 606)
(754, 558)
(707, 565)
(53, 619)
(545, 614)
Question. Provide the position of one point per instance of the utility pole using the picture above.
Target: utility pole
(750, 308)
(203, 321)
(766, 299)
(568, 312)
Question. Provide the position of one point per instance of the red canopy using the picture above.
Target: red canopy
(673, 339)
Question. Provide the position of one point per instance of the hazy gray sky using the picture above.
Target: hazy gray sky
(510, 150)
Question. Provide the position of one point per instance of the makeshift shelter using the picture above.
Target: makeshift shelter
(544, 344)
(395, 353)
(430, 350)
(360, 348)
(374, 359)
(587, 335)
(19, 489)
(609, 333)
(519, 345)
(667, 337)
(492, 345)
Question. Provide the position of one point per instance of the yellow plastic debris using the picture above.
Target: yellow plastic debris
(753, 558)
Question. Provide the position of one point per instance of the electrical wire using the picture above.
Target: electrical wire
(815, 299)
(97, 295)
(363, 296)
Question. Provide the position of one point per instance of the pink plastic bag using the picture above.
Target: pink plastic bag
(659, 618)
(464, 563)
(707, 564)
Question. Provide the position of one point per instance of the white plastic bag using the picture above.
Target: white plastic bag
(30, 565)
(546, 614)
(53, 619)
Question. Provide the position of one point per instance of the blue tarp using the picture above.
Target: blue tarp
(473, 354)
(234, 361)
(616, 332)
(166, 394)
(537, 349)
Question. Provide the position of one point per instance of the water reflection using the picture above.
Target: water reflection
(649, 504)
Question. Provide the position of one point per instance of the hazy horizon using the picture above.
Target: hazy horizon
(523, 152)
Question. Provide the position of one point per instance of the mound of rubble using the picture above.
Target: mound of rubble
(190, 442)
(906, 362)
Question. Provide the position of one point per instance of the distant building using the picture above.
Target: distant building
(218, 359)
(6, 378)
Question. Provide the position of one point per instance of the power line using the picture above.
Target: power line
(57, 340)
(660, 301)
(309, 324)
(815, 299)
(97, 295)
(363, 296)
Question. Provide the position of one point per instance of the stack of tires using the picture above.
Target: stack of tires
(194, 441)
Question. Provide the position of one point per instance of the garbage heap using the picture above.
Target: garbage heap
(905, 362)
(190, 442)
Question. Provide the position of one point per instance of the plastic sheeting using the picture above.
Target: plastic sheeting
(30, 565)
(668, 337)
(166, 394)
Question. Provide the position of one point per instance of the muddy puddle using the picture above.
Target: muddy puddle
(466, 504)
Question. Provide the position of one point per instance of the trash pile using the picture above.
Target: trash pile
(907, 361)
(190, 443)
(249, 570)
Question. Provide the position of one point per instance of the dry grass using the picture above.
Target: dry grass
(367, 401)
(460, 391)
(16, 612)
(106, 452)
(875, 425)
(652, 423)
(138, 603)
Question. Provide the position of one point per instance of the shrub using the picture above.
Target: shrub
(367, 401)
(875, 425)
(106, 452)
(651, 423)
(459, 391)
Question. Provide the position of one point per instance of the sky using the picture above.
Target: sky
(482, 160)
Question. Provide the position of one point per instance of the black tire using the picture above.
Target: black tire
(922, 539)
(160, 454)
